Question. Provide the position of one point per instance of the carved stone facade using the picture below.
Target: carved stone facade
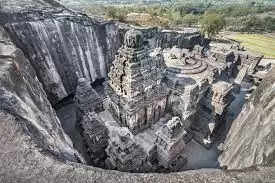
(170, 143)
(187, 78)
(124, 154)
(136, 89)
(157, 102)
(145, 85)
(220, 96)
(96, 137)
(213, 107)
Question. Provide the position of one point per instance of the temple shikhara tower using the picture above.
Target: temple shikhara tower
(136, 90)
(159, 105)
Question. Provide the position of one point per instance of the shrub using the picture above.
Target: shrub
(269, 23)
(117, 13)
(174, 17)
(211, 24)
(190, 19)
(111, 12)
(252, 24)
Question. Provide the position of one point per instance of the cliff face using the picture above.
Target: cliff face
(251, 139)
(23, 99)
(60, 46)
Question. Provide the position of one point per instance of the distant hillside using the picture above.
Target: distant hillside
(111, 2)
(213, 2)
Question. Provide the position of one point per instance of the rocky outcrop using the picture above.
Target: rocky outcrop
(63, 46)
(159, 38)
(24, 105)
(251, 139)
(86, 98)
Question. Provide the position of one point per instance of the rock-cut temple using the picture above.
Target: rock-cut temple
(155, 102)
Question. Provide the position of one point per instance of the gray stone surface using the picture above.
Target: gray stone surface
(22, 97)
(96, 138)
(86, 98)
(250, 141)
(135, 89)
(60, 44)
(157, 37)
(68, 116)
(14, 6)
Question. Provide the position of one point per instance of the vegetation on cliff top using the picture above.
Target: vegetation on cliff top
(248, 17)
(211, 24)
(252, 19)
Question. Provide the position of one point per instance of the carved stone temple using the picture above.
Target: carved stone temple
(156, 102)
(136, 89)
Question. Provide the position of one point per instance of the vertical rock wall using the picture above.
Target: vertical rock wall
(22, 97)
(60, 48)
(251, 139)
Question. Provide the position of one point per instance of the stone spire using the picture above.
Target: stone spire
(135, 88)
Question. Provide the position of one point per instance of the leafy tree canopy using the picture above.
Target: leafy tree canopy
(211, 24)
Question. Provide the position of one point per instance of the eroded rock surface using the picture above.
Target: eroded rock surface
(22, 98)
(251, 139)
(62, 47)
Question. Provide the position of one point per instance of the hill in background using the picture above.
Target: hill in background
(206, 2)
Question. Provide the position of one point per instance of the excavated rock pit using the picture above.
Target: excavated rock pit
(39, 144)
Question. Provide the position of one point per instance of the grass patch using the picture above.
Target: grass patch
(258, 43)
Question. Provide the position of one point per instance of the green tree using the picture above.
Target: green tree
(111, 12)
(190, 20)
(211, 24)
(116, 13)
(269, 24)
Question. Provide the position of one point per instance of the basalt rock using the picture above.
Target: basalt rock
(144, 88)
(86, 98)
(23, 100)
(250, 141)
(60, 45)
(155, 37)
(96, 137)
